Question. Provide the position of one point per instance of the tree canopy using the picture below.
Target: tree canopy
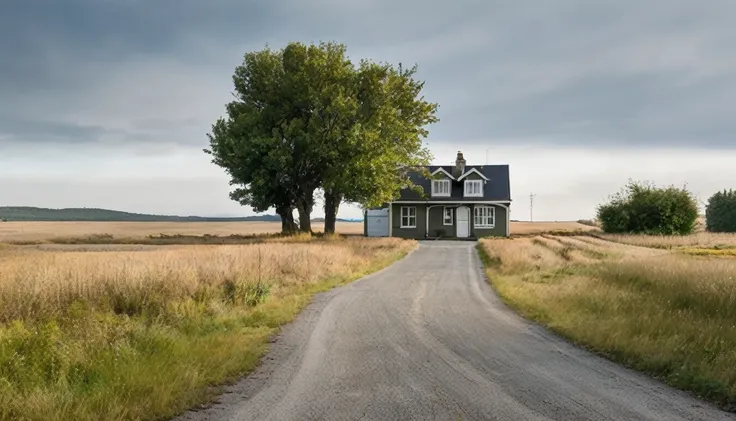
(643, 208)
(305, 118)
(720, 213)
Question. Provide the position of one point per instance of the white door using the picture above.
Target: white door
(377, 223)
(463, 222)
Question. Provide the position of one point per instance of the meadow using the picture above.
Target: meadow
(144, 332)
(650, 303)
(194, 232)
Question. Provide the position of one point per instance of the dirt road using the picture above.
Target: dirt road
(426, 339)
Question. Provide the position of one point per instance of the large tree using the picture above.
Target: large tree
(306, 117)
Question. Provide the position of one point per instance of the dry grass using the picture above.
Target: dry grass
(193, 232)
(699, 240)
(81, 332)
(664, 313)
(527, 228)
(40, 231)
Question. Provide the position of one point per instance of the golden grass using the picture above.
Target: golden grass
(92, 335)
(101, 232)
(527, 228)
(40, 231)
(661, 312)
(700, 240)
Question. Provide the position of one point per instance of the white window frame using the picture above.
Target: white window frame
(484, 216)
(468, 193)
(445, 215)
(408, 214)
(441, 188)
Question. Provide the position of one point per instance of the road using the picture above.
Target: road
(427, 339)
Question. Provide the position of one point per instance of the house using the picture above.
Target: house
(460, 201)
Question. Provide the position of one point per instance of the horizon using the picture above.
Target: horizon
(113, 113)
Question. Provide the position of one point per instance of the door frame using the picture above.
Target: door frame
(458, 211)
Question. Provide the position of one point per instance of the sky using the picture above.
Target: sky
(107, 103)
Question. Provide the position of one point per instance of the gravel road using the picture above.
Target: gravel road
(427, 339)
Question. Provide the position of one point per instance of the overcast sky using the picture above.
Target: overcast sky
(106, 103)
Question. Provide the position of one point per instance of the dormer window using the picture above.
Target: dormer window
(473, 188)
(441, 188)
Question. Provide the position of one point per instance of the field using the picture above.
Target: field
(662, 305)
(39, 232)
(143, 332)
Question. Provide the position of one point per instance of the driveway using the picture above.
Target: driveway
(427, 339)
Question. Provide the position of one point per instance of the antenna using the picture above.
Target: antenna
(531, 207)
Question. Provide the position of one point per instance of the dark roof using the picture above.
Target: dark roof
(497, 188)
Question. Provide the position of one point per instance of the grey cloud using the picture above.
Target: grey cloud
(657, 73)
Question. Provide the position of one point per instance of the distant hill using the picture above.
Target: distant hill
(25, 213)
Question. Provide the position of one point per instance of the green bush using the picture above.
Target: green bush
(643, 208)
(720, 214)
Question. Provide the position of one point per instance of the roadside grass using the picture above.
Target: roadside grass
(668, 314)
(146, 335)
(698, 240)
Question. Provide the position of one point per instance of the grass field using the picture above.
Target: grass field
(39, 232)
(142, 332)
(658, 310)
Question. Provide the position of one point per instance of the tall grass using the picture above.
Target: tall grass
(701, 239)
(670, 315)
(142, 335)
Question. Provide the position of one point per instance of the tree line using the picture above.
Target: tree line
(644, 208)
(307, 121)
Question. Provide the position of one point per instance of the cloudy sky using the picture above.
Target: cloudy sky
(106, 103)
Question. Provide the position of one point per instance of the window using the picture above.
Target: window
(484, 217)
(474, 188)
(447, 218)
(441, 188)
(408, 217)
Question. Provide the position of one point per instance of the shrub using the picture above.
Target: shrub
(720, 213)
(643, 208)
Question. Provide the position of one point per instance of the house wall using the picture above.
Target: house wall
(436, 221)
(499, 229)
(416, 233)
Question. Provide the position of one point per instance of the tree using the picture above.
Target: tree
(263, 144)
(305, 117)
(646, 209)
(720, 213)
(371, 159)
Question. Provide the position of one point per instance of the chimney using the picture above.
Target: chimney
(459, 165)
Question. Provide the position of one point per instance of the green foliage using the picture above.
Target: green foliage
(720, 213)
(643, 208)
(305, 117)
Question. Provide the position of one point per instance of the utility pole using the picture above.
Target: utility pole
(531, 207)
(487, 149)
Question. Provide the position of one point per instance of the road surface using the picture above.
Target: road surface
(427, 339)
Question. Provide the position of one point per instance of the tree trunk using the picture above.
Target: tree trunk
(305, 217)
(332, 205)
(288, 226)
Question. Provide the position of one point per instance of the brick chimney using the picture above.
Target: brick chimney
(459, 165)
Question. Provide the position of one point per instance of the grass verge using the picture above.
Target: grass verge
(668, 314)
(145, 335)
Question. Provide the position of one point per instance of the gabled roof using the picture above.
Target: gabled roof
(471, 171)
(442, 170)
(496, 188)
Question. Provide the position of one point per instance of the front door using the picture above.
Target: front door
(463, 222)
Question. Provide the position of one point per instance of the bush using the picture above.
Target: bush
(720, 213)
(643, 208)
